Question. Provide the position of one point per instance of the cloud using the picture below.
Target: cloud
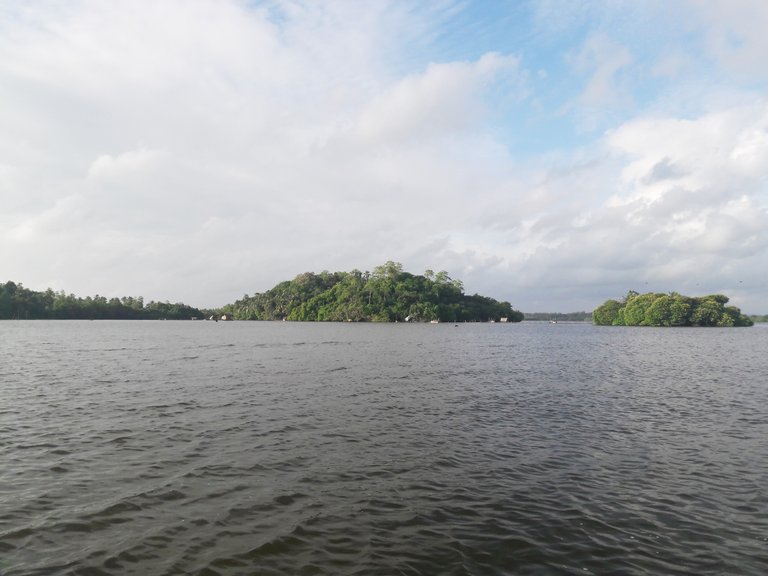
(664, 169)
(662, 204)
(671, 65)
(144, 126)
(735, 34)
(109, 168)
(446, 98)
(725, 150)
(198, 150)
(690, 207)
(601, 58)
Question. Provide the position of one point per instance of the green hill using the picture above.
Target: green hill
(386, 295)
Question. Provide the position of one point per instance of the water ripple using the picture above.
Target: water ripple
(278, 448)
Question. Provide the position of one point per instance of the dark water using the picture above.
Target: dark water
(145, 448)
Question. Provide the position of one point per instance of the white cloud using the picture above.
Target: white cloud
(443, 100)
(735, 31)
(600, 64)
(199, 150)
(118, 168)
(671, 65)
(686, 209)
(726, 150)
(602, 59)
(708, 213)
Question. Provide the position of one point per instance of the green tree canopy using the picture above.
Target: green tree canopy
(17, 302)
(388, 294)
(673, 309)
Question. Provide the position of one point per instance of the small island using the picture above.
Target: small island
(673, 309)
(388, 294)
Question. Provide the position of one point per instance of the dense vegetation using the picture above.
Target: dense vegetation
(757, 318)
(386, 295)
(673, 309)
(17, 302)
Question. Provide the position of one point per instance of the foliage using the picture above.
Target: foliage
(17, 302)
(388, 294)
(673, 309)
(607, 313)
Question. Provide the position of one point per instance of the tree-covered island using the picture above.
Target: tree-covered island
(673, 309)
(388, 294)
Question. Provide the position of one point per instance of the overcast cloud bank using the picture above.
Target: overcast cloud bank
(553, 156)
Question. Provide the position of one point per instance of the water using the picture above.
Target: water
(154, 448)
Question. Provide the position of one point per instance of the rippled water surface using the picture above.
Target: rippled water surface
(143, 448)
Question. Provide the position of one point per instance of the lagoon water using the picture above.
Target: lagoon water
(170, 448)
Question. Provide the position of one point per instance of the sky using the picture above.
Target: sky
(550, 153)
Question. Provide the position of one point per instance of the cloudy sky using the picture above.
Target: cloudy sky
(550, 153)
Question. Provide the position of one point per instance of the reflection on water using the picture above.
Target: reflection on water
(279, 448)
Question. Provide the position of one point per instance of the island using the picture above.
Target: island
(673, 309)
(388, 294)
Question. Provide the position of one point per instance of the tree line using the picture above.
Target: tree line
(388, 294)
(673, 309)
(18, 302)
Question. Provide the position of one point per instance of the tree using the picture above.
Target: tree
(635, 309)
(606, 313)
(708, 312)
(659, 313)
(679, 310)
